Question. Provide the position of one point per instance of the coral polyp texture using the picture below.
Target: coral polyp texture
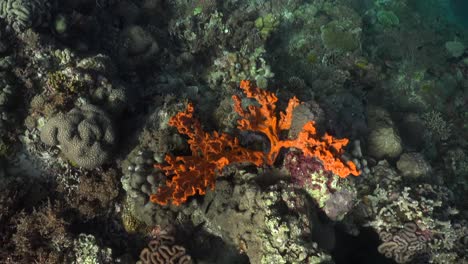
(211, 152)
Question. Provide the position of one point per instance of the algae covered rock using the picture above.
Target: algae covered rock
(271, 224)
(413, 165)
(85, 135)
(136, 47)
(384, 142)
(455, 48)
(335, 37)
(113, 98)
(343, 32)
(387, 18)
(266, 25)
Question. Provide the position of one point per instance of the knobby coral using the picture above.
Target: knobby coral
(211, 152)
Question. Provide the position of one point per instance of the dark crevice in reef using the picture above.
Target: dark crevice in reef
(361, 249)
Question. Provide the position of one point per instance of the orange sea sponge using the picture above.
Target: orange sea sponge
(263, 119)
(211, 152)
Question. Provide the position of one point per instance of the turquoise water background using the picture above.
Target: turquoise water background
(455, 11)
(460, 11)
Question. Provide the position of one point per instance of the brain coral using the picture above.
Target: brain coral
(22, 14)
(163, 251)
(85, 135)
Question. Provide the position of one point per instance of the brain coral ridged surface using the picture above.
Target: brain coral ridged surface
(85, 135)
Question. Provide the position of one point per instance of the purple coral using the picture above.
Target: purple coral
(339, 204)
(308, 173)
(301, 167)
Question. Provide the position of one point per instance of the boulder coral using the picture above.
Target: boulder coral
(85, 135)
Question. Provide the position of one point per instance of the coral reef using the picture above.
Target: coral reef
(232, 67)
(94, 193)
(42, 235)
(140, 180)
(414, 223)
(335, 37)
(87, 250)
(7, 102)
(267, 225)
(387, 78)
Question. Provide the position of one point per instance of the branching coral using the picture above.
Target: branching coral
(211, 152)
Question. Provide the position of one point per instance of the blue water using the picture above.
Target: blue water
(460, 11)
(453, 11)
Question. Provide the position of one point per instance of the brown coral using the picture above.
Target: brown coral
(95, 192)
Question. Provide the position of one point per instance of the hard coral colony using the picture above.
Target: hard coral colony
(211, 152)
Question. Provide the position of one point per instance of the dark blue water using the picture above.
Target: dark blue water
(452, 11)
(460, 11)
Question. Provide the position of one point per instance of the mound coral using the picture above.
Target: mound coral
(85, 134)
(211, 152)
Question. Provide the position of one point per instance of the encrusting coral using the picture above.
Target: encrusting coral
(211, 152)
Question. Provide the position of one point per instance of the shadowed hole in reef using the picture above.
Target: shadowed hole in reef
(361, 249)
(207, 248)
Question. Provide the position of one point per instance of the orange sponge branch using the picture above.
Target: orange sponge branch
(211, 152)
(263, 119)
